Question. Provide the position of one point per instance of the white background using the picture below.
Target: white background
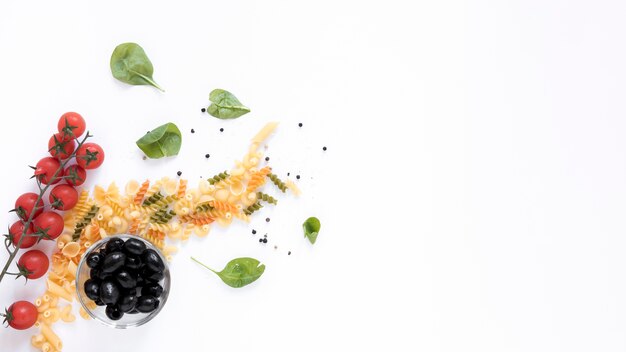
(471, 198)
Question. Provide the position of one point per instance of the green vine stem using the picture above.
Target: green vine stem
(42, 191)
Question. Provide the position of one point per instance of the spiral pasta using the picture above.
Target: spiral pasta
(161, 211)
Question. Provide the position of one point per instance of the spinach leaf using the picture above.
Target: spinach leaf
(160, 142)
(225, 105)
(311, 228)
(130, 64)
(239, 272)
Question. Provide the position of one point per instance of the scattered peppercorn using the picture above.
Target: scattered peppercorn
(207, 156)
(179, 173)
(267, 219)
(265, 235)
(221, 130)
(267, 158)
(193, 131)
(145, 157)
(265, 240)
(289, 253)
(275, 247)
(260, 240)
(289, 173)
(203, 110)
(324, 149)
(298, 177)
(254, 232)
(300, 124)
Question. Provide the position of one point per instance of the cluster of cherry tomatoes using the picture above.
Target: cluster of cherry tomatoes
(35, 222)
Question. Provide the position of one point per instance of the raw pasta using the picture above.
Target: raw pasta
(163, 211)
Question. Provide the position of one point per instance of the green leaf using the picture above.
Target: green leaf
(162, 141)
(311, 229)
(225, 105)
(130, 64)
(239, 272)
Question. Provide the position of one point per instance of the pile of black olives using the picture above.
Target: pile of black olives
(125, 277)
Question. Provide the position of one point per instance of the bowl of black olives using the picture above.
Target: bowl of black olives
(126, 277)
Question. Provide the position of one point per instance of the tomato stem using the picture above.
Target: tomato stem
(41, 234)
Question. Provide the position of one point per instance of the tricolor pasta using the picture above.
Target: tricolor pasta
(161, 211)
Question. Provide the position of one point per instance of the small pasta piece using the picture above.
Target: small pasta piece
(141, 192)
(37, 340)
(47, 347)
(52, 338)
(293, 188)
(132, 187)
(264, 133)
(66, 314)
(59, 291)
(71, 249)
(201, 231)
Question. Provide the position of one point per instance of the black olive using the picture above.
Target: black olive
(147, 304)
(109, 292)
(114, 312)
(94, 259)
(140, 280)
(132, 262)
(113, 261)
(114, 245)
(151, 276)
(152, 290)
(152, 260)
(99, 302)
(95, 273)
(134, 246)
(127, 303)
(102, 275)
(126, 279)
(92, 289)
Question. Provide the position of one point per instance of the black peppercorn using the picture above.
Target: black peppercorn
(221, 130)
(203, 110)
(265, 240)
(300, 124)
(254, 232)
(207, 156)
(289, 253)
(260, 240)
(324, 149)
(179, 173)
(193, 131)
(267, 158)
(298, 177)
(267, 219)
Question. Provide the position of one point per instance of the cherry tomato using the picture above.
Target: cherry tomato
(33, 264)
(21, 315)
(71, 125)
(15, 232)
(75, 175)
(63, 197)
(46, 168)
(50, 222)
(25, 204)
(89, 156)
(59, 147)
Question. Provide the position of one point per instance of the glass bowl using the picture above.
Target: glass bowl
(128, 320)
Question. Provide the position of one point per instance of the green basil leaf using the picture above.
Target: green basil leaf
(239, 272)
(162, 141)
(225, 105)
(311, 229)
(130, 64)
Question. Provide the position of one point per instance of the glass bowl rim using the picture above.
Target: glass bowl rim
(113, 324)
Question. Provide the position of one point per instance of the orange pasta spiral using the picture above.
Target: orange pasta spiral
(142, 192)
(216, 204)
(182, 189)
(199, 221)
(258, 179)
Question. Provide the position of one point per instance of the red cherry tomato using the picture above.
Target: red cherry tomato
(59, 147)
(21, 315)
(50, 222)
(25, 204)
(33, 264)
(75, 175)
(71, 125)
(46, 168)
(89, 156)
(15, 232)
(63, 197)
